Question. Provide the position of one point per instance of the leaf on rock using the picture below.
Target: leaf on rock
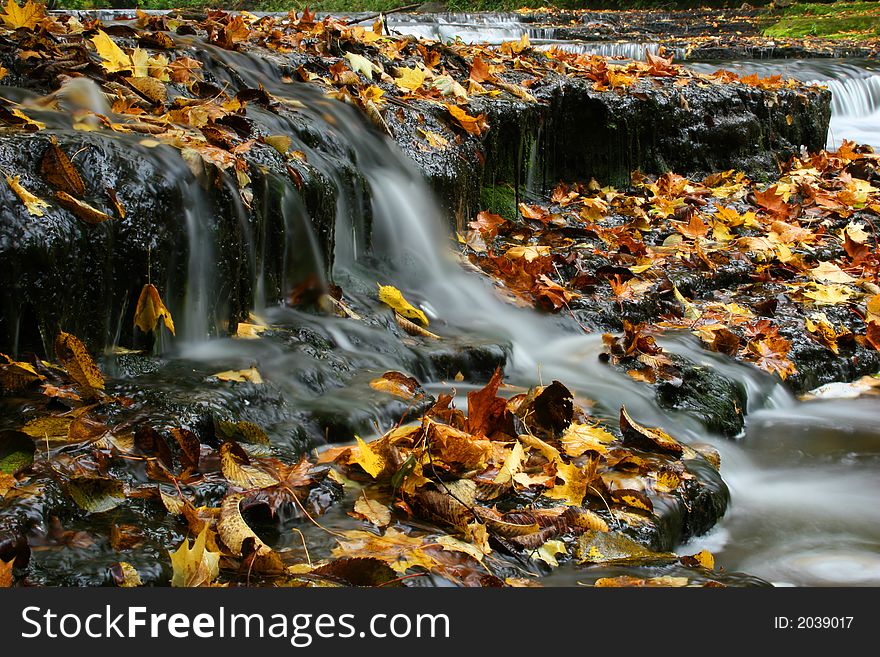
(650, 439)
(76, 360)
(59, 171)
(393, 298)
(703, 558)
(580, 438)
(372, 462)
(84, 211)
(474, 125)
(32, 203)
(195, 566)
(95, 494)
(828, 272)
(360, 64)
(250, 375)
(410, 79)
(114, 58)
(150, 309)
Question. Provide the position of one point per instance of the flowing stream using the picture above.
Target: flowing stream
(803, 477)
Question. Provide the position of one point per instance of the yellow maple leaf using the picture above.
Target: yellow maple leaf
(196, 565)
(114, 57)
(829, 295)
(26, 15)
(410, 79)
(150, 309)
(33, 204)
(250, 375)
(392, 297)
(580, 438)
(370, 461)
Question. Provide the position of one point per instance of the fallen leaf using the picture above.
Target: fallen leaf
(474, 125)
(26, 16)
(393, 298)
(397, 384)
(196, 565)
(86, 212)
(370, 461)
(114, 58)
(95, 494)
(651, 439)
(233, 529)
(75, 358)
(125, 575)
(250, 375)
(372, 511)
(33, 204)
(59, 171)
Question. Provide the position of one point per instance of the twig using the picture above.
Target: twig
(369, 17)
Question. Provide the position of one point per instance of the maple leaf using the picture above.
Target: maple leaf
(487, 224)
(32, 203)
(395, 548)
(196, 565)
(371, 461)
(114, 58)
(770, 355)
(410, 79)
(150, 309)
(771, 200)
(581, 438)
(480, 71)
(27, 15)
(250, 375)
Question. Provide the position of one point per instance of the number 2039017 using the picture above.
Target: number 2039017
(813, 622)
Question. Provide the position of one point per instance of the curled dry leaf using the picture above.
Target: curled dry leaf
(150, 309)
(234, 531)
(75, 358)
(650, 439)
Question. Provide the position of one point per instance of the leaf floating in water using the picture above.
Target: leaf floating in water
(75, 358)
(125, 575)
(630, 581)
(33, 203)
(392, 297)
(95, 494)
(59, 171)
(397, 384)
(150, 309)
(250, 375)
(703, 558)
(196, 565)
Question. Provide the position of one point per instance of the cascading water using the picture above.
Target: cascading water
(799, 516)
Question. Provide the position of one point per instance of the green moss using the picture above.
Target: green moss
(840, 20)
(500, 199)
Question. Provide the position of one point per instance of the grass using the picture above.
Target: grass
(839, 20)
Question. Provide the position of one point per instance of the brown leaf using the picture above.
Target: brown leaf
(6, 573)
(234, 531)
(59, 171)
(397, 384)
(75, 358)
(86, 212)
(150, 309)
(650, 439)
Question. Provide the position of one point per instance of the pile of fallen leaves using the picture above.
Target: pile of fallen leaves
(747, 267)
(491, 497)
(158, 86)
